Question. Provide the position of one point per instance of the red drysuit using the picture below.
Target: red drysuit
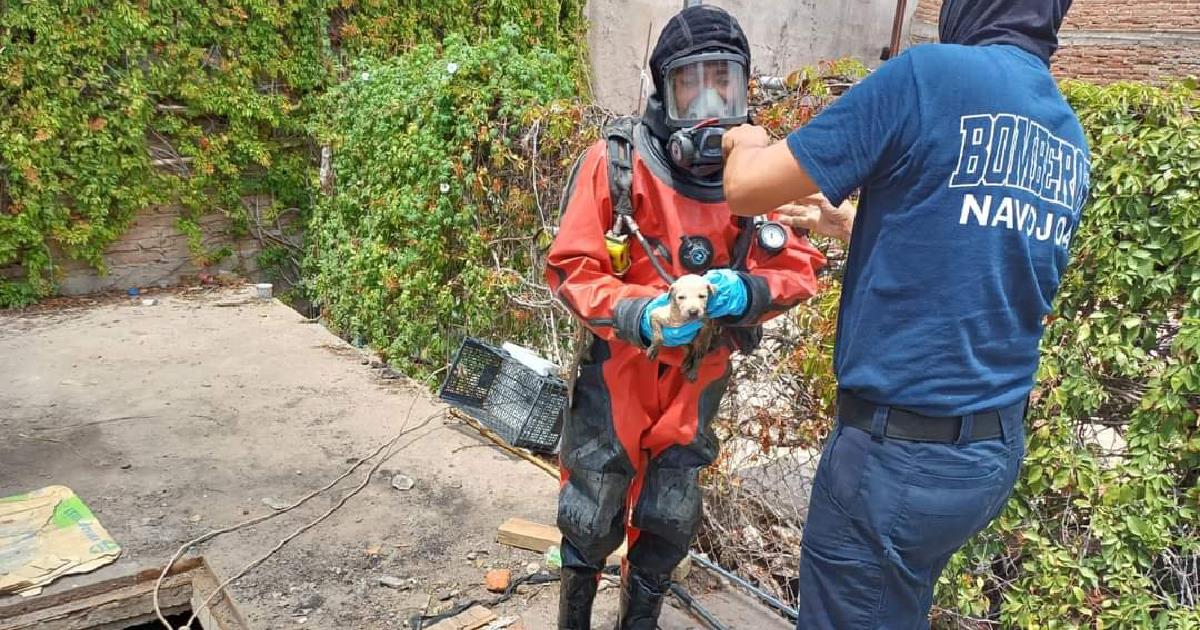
(638, 432)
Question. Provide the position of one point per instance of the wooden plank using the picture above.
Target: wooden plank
(546, 467)
(472, 618)
(119, 607)
(58, 598)
(125, 601)
(523, 534)
(222, 612)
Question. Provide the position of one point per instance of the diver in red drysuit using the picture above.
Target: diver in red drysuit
(638, 432)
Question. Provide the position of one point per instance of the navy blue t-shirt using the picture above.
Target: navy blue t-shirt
(973, 171)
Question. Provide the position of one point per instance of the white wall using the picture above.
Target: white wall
(784, 35)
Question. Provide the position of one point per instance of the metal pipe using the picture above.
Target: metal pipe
(897, 28)
(772, 84)
(752, 589)
(695, 607)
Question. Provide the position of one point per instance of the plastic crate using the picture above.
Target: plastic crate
(523, 407)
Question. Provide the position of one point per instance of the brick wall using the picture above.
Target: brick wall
(1134, 15)
(1111, 15)
(927, 11)
(1104, 64)
(1112, 40)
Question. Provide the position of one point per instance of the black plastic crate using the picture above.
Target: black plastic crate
(522, 406)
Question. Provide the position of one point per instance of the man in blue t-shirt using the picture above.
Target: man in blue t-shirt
(973, 171)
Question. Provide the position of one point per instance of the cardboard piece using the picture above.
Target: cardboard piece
(46, 534)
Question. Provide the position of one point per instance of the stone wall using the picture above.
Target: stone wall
(154, 253)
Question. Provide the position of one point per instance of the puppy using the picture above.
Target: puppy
(687, 302)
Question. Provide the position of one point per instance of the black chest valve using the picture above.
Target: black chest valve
(695, 253)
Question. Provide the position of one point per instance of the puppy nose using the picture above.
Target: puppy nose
(695, 312)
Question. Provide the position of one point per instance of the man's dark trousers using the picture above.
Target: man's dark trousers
(886, 514)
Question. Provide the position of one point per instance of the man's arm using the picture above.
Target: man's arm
(817, 215)
(863, 135)
(760, 176)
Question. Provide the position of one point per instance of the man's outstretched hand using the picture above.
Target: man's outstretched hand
(744, 136)
(816, 214)
(759, 176)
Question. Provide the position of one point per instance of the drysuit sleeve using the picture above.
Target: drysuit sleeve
(777, 282)
(578, 268)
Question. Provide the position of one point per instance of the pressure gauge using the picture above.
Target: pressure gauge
(772, 237)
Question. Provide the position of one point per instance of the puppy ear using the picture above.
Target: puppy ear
(671, 293)
(712, 288)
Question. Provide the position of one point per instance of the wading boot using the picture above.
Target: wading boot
(576, 591)
(641, 599)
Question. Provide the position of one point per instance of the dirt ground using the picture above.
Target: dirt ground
(174, 419)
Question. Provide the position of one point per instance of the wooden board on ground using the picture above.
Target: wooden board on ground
(549, 468)
(472, 618)
(125, 602)
(523, 534)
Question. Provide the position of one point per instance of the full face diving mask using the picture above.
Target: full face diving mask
(705, 94)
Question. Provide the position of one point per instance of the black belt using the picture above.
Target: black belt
(914, 427)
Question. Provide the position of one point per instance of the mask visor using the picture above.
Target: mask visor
(706, 86)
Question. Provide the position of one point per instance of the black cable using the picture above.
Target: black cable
(418, 621)
(741, 247)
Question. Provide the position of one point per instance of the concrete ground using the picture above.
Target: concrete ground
(191, 415)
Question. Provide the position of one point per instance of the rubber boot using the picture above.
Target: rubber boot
(641, 599)
(576, 591)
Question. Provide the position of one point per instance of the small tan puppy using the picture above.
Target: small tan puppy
(687, 302)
